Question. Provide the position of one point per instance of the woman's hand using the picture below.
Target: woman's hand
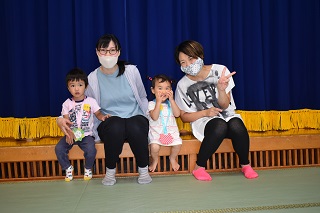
(69, 140)
(211, 112)
(223, 82)
(64, 124)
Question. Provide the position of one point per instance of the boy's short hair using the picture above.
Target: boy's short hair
(77, 74)
(161, 78)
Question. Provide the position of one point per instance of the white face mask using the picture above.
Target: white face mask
(194, 68)
(108, 61)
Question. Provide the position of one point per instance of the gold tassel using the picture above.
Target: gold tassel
(303, 119)
(179, 123)
(315, 119)
(45, 127)
(54, 129)
(16, 129)
(255, 121)
(22, 128)
(183, 126)
(33, 128)
(296, 119)
(7, 127)
(281, 120)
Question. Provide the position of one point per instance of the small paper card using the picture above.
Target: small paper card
(78, 133)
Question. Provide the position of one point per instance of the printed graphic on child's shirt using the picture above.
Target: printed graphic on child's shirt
(85, 117)
(73, 115)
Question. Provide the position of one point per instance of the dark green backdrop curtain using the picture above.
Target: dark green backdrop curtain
(272, 44)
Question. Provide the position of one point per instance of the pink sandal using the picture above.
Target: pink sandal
(201, 174)
(249, 172)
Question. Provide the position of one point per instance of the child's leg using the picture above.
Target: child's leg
(154, 149)
(88, 146)
(173, 157)
(62, 149)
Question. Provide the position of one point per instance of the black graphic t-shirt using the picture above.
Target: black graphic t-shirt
(193, 96)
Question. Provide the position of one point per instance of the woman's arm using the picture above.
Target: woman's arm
(193, 116)
(188, 117)
(224, 98)
(135, 78)
(64, 124)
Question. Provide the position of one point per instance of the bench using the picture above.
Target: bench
(278, 139)
(266, 152)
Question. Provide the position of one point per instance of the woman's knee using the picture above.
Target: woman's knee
(237, 128)
(112, 126)
(236, 123)
(216, 126)
(138, 125)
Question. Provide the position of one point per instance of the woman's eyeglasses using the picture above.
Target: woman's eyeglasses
(104, 51)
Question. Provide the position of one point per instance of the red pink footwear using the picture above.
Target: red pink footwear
(249, 172)
(201, 174)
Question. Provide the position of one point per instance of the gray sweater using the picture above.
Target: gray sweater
(133, 76)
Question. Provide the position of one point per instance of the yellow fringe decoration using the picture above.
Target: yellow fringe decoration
(255, 121)
(29, 128)
(7, 126)
(183, 126)
(281, 120)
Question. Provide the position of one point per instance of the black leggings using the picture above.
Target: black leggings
(215, 131)
(114, 131)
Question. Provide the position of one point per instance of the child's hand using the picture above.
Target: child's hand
(105, 117)
(170, 95)
(160, 97)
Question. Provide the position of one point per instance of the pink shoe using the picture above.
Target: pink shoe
(249, 172)
(201, 174)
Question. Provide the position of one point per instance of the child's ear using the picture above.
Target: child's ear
(152, 90)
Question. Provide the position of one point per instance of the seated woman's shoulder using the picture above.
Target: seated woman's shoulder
(131, 66)
(218, 66)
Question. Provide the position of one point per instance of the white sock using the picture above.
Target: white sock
(144, 176)
(110, 177)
